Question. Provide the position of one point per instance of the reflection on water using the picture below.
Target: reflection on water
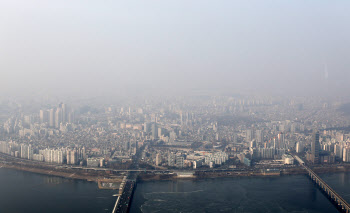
(176, 186)
(249, 194)
(342, 178)
(53, 180)
(313, 191)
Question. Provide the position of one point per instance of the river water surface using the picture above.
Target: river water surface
(294, 193)
(28, 192)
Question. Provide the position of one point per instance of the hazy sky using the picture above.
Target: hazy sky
(112, 46)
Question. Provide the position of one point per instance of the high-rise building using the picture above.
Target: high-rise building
(38, 157)
(42, 116)
(293, 127)
(281, 140)
(181, 118)
(338, 151)
(171, 159)
(30, 153)
(172, 136)
(24, 151)
(46, 154)
(57, 156)
(52, 155)
(71, 117)
(315, 147)
(147, 127)
(275, 144)
(281, 128)
(266, 153)
(346, 154)
(253, 144)
(179, 161)
(82, 154)
(71, 157)
(248, 135)
(52, 117)
(157, 159)
(160, 131)
(58, 117)
(154, 131)
(64, 113)
(259, 137)
(299, 147)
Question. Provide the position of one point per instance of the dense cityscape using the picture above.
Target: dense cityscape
(174, 106)
(182, 133)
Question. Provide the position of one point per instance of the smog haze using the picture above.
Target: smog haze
(174, 47)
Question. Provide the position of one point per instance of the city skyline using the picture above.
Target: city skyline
(174, 106)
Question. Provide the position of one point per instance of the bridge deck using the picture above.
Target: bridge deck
(333, 195)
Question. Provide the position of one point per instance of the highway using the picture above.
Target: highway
(125, 198)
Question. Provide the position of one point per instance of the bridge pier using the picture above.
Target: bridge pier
(331, 194)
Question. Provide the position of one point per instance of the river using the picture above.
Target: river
(27, 192)
(295, 193)
(22, 191)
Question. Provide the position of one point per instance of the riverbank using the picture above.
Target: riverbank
(31, 192)
(201, 175)
(89, 174)
(51, 172)
(83, 173)
(80, 175)
(216, 174)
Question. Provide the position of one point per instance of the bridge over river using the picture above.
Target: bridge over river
(126, 192)
(342, 205)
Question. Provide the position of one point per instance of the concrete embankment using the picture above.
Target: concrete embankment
(200, 175)
(216, 174)
(47, 171)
